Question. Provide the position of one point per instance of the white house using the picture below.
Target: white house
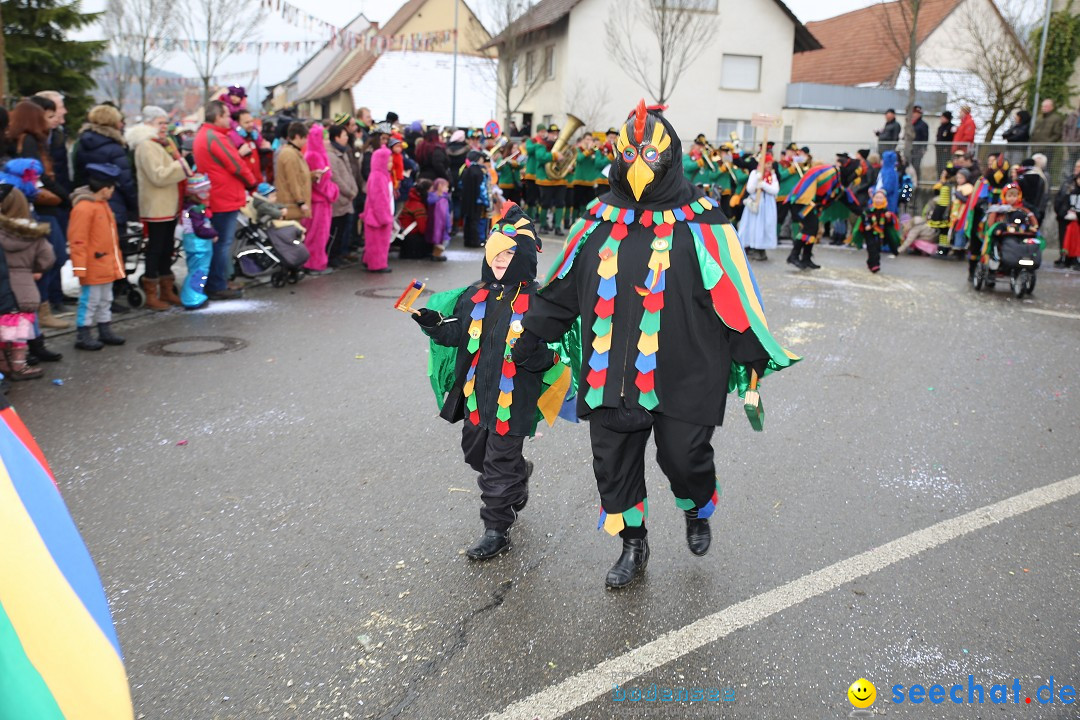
(408, 68)
(745, 70)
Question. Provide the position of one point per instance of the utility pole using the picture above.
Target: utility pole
(453, 91)
(1039, 72)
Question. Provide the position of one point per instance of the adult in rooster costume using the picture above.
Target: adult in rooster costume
(824, 194)
(671, 321)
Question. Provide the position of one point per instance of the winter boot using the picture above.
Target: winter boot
(167, 289)
(492, 543)
(796, 250)
(16, 357)
(42, 353)
(153, 301)
(86, 340)
(106, 335)
(807, 260)
(698, 534)
(47, 320)
(632, 562)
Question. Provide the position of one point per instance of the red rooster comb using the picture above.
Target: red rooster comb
(639, 120)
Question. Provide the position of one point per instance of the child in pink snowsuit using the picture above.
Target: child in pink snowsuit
(323, 194)
(378, 213)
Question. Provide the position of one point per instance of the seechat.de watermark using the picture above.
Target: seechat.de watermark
(1049, 693)
(675, 693)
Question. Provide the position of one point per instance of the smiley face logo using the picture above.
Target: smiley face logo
(862, 693)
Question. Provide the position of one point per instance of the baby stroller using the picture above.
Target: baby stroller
(269, 247)
(1012, 248)
(132, 248)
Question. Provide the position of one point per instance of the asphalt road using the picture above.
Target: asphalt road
(280, 528)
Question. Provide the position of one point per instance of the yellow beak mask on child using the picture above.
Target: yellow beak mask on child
(504, 237)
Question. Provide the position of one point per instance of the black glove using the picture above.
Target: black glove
(759, 366)
(428, 318)
(525, 347)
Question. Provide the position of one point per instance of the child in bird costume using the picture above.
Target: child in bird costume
(671, 322)
(878, 226)
(472, 331)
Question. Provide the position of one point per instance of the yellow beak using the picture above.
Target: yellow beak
(495, 245)
(639, 176)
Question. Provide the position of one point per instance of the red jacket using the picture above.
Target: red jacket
(230, 175)
(965, 134)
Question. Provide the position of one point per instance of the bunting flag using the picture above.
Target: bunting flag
(246, 46)
(247, 78)
(59, 655)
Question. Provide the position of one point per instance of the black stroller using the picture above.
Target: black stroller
(269, 248)
(132, 248)
(1012, 248)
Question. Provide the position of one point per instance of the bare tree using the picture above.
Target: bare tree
(901, 20)
(517, 71)
(998, 67)
(138, 31)
(589, 103)
(680, 30)
(212, 30)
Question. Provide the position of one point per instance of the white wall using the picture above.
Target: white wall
(418, 86)
(743, 28)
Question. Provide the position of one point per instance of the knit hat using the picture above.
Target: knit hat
(197, 184)
(103, 171)
(342, 118)
(237, 91)
(458, 136)
(152, 112)
(265, 189)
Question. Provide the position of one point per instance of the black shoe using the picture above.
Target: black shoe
(381, 270)
(226, 294)
(118, 309)
(519, 506)
(39, 353)
(107, 336)
(793, 259)
(1059, 263)
(491, 544)
(808, 262)
(437, 258)
(68, 300)
(698, 535)
(634, 558)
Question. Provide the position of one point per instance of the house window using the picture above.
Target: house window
(732, 130)
(549, 62)
(530, 67)
(546, 120)
(741, 72)
(515, 68)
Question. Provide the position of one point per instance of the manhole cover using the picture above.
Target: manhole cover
(385, 293)
(195, 345)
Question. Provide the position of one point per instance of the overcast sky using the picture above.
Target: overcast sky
(274, 68)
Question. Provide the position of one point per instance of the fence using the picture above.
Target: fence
(1061, 158)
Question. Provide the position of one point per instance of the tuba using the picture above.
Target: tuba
(559, 169)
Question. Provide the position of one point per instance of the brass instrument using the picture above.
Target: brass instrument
(559, 169)
(496, 147)
(710, 155)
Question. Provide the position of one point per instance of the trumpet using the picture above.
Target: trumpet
(505, 160)
(710, 155)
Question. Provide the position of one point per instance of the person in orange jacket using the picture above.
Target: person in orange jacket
(95, 255)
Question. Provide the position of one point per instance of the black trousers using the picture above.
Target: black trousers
(531, 193)
(583, 195)
(512, 194)
(502, 471)
(683, 451)
(159, 248)
(873, 251)
(552, 196)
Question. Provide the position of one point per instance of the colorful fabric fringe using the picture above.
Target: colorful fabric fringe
(633, 517)
(707, 510)
(59, 655)
(519, 306)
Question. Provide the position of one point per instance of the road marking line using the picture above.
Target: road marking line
(575, 691)
(1052, 313)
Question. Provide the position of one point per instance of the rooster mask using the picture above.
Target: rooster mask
(642, 172)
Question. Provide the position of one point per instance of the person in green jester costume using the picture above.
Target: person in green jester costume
(671, 322)
(472, 330)
(530, 194)
(590, 162)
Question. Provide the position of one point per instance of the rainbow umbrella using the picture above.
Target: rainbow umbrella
(59, 655)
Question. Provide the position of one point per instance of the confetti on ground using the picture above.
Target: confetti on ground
(359, 357)
(57, 381)
(182, 443)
